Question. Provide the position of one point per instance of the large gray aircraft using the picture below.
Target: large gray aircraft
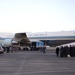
(19, 40)
(49, 38)
(53, 38)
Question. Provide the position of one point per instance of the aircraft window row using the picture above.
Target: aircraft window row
(38, 35)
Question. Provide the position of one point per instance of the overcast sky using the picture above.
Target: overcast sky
(37, 15)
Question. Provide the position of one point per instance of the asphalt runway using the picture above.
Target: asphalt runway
(36, 63)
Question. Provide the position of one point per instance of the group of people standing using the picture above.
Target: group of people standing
(10, 49)
(43, 49)
(65, 51)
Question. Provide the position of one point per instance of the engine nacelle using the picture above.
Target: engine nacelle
(7, 43)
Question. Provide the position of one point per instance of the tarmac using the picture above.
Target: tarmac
(36, 63)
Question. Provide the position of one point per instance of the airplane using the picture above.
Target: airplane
(69, 44)
(50, 38)
(19, 40)
(53, 38)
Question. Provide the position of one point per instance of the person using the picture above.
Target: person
(72, 50)
(40, 48)
(44, 48)
(61, 51)
(8, 49)
(57, 51)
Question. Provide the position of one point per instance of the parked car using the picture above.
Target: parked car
(1, 50)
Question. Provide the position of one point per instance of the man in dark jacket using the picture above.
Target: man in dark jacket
(57, 51)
